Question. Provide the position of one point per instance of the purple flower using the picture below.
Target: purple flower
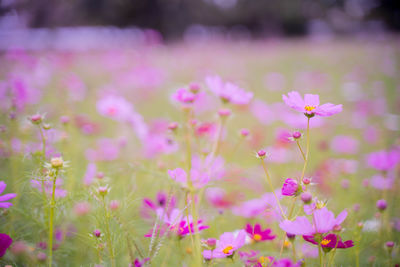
(381, 204)
(227, 244)
(115, 107)
(257, 234)
(140, 263)
(4, 198)
(228, 92)
(184, 96)
(290, 187)
(383, 160)
(323, 222)
(198, 179)
(310, 105)
(330, 241)
(5, 243)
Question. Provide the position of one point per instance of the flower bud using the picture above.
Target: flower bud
(296, 135)
(306, 197)
(57, 162)
(290, 187)
(64, 119)
(390, 244)
(103, 190)
(381, 204)
(224, 112)
(261, 154)
(211, 242)
(244, 132)
(290, 236)
(114, 204)
(306, 180)
(100, 175)
(194, 88)
(173, 126)
(41, 257)
(36, 119)
(97, 233)
(46, 126)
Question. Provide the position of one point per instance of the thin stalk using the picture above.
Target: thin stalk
(294, 251)
(51, 219)
(272, 188)
(108, 234)
(43, 142)
(320, 254)
(307, 150)
(301, 150)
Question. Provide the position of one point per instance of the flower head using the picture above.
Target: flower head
(257, 234)
(330, 241)
(290, 187)
(5, 243)
(227, 244)
(228, 92)
(310, 105)
(6, 197)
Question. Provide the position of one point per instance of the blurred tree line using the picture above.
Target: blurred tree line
(173, 17)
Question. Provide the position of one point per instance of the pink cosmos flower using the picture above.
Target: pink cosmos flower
(90, 174)
(184, 96)
(219, 198)
(344, 144)
(115, 107)
(227, 91)
(381, 183)
(5, 243)
(330, 241)
(383, 160)
(149, 206)
(197, 178)
(323, 222)
(257, 234)
(4, 198)
(290, 187)
(227, 244)
(310, 105)
(265, 205)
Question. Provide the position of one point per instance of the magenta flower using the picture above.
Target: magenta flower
(383, 160)
(139, 263)
(115, 107)
(184, 228)
(323, 222)
(330, 241)
(149, 206)
(257, 234)
(290, 187)
(6, 197)
(310, 105)
(227, 244)
(228, 92)
(184, 96)
(5, 243)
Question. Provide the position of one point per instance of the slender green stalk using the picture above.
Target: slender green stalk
(43, 142)
(307, 150)
(294, 251)
(320, 254)
(51, 219)
(301, 150)
(108, 233)
(272, 187)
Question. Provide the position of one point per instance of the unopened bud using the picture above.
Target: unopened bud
(57, 163)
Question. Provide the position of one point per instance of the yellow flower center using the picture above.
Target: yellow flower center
(319, 204)
(309, 108)
(286, 244)
(227, 250)
(257, 237)
(263, 260)
(325, 242)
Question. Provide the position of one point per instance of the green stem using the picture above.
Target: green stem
(294, 252)
(320, 254)
(271, 187)
(43, 142)
(51, 219)
(108, 234)
(301, 150)
(307, 150)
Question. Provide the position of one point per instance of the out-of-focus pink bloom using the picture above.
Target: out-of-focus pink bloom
(219, 198)
(259, 235)
(149, 206)
(383, 160)
(255, 207)
(5, 198)
(208, 129)
(264, 113)
(213, 166)
(90, 174)
(157, 144)
(82, 208)
(184, 96)
(344, 144)
(310, 104)
(87, 126)
(309, 251)
(76, 87)
(274, 81)
(323, 222)
(371, 134)
(227, 91)
(107, 150)
(20, 94)
(5, 243)
(48, 187)
(197, 178)
(115, 107)
(139, 263)
(249, 258)
(227, 244)
(290, 187)
(381, 183)
(330, 241)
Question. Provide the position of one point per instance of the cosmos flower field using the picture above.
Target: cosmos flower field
(253, 153)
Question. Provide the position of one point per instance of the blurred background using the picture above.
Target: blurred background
(172, 20)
